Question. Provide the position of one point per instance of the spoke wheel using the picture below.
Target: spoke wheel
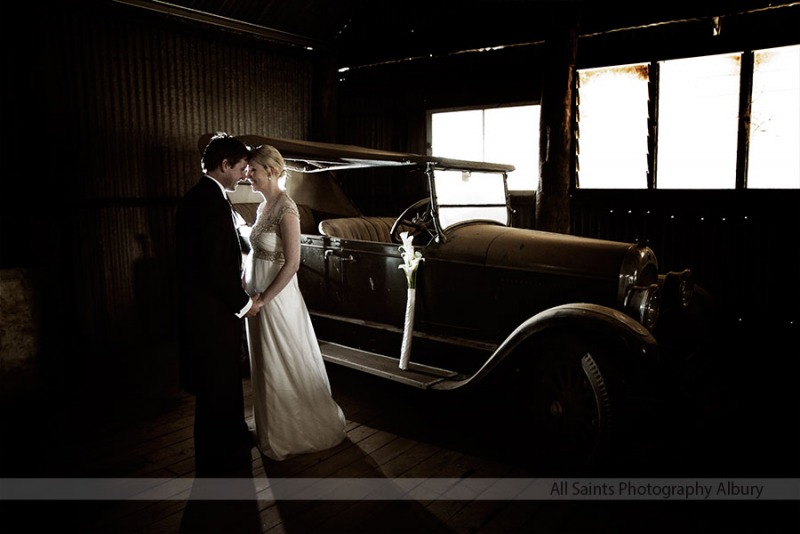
(563, 389)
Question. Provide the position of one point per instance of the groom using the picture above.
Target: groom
(212, 304)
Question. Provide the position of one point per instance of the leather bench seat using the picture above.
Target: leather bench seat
(359, 228)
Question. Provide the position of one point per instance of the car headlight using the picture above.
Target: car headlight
(678, 288)
(644, 303)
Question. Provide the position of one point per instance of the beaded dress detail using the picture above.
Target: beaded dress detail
(268, 221)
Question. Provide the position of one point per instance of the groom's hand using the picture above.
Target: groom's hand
(256, 307)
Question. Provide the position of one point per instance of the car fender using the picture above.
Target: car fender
(578, 317)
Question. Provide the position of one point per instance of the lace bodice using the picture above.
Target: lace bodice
(268, 226)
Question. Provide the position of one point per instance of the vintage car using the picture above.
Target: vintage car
(566, 326)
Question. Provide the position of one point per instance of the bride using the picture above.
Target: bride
(292, 403)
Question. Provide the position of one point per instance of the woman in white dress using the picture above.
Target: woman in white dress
(292, 403)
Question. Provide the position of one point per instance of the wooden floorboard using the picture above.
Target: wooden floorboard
(393, 432)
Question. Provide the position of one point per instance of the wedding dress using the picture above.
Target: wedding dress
(292, 403)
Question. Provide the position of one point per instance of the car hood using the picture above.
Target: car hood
(515, 248)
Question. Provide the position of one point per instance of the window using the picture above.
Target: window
(692, 124)
(612, 141)
(507, 135)
(775, 120)
(698, 121)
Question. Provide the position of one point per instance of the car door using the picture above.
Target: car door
(320, 274)
(373, 288)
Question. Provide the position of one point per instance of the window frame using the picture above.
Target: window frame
(743, 135)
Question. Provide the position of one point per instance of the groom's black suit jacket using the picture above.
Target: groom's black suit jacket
(209, 274)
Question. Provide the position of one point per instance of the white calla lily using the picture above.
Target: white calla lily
(411, 260)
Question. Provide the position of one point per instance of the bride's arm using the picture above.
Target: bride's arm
(290, 236)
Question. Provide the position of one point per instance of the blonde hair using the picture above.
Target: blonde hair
(268, 157)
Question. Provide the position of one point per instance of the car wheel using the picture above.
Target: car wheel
(565, 389)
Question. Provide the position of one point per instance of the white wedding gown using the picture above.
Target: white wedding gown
(292, 403)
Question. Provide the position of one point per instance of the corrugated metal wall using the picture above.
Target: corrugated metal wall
(115, 101)
(741, 245)
(130, 98)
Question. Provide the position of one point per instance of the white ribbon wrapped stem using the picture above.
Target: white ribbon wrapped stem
(411, 261)
(408, 328)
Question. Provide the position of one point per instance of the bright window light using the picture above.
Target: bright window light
(774, 158)
(458, 134)
(508, 135)
(612, 128)
(698, 120)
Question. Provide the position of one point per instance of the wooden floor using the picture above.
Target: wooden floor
(393, 432)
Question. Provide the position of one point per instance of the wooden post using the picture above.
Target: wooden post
(556, 144)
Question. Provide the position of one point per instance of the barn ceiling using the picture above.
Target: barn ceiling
(364, 32)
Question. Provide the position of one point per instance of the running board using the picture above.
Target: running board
(417, 375)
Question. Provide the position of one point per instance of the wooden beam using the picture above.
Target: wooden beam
(556, 143)
(203, 17)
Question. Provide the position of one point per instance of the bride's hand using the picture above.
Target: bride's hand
(256, 307)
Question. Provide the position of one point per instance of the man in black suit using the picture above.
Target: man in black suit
(212, 304)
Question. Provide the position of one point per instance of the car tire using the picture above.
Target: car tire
(569, 393)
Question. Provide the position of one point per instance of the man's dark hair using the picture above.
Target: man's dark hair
(222, 146)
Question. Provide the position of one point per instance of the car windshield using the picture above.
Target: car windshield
(470, 195)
